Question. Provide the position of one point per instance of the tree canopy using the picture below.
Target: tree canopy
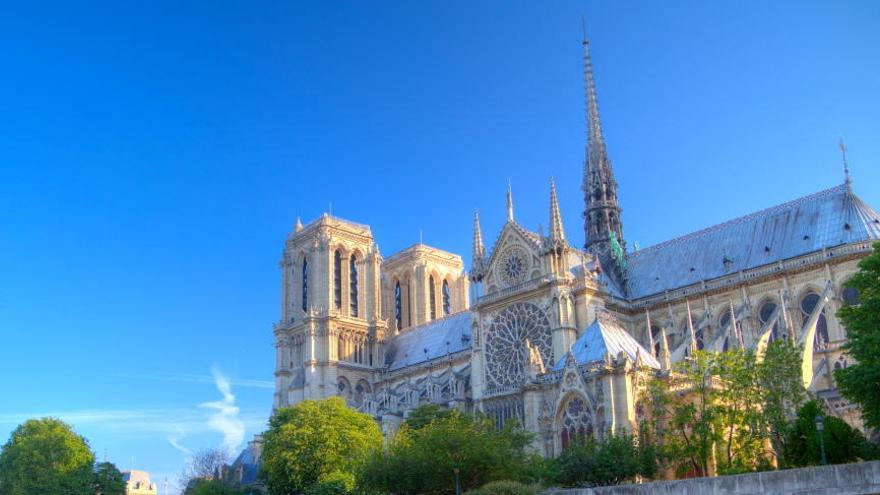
(45, 456)
(315, 443)
(860, 382)
(423, 459)
(108, 480)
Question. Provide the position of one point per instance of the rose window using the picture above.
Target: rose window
(513, 265)
(506, 352)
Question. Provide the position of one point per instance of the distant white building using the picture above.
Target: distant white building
(138, 483)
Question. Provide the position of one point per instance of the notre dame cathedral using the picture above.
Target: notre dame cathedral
(559, 337)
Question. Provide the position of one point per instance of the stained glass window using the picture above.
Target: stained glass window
(576, 423)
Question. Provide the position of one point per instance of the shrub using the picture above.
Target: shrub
(506, 487)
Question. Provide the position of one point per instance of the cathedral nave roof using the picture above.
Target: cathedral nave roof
(825, 219)
(429, 341)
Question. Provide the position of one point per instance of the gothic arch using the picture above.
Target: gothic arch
(809, 298)
(575, 420)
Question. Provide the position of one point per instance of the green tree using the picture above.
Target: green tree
(843, 443)
(108, 480)
(210, 487)
(694, 427)
(425, 414)
(45, 456)
(782, 391)
(424, 460)
(610, 461)
(860, 382)
(314, 442)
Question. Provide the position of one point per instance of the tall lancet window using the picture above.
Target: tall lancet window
(353, 285)
(337, 280)
(305, 285)
(447, 299)
(432, 297)
(398, 306)
(808, 305)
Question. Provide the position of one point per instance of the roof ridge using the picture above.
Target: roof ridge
(743, 218)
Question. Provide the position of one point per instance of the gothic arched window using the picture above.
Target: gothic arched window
(447, 299)
(850, 296)
(398, 306)
(353, 285)
(305, 285)
(765, 312)
(808, 305)
(576, 423)
(432, 297)
(337, 280)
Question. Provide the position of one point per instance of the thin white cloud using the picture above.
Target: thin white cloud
(193, 378)
(226, 419)
(175, 438)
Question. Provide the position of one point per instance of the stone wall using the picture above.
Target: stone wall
(861, 478)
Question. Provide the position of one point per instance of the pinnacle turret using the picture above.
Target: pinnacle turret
(509, 202)
(479, 251)
(556, 238)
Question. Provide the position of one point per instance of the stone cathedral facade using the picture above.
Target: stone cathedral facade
(560, 336)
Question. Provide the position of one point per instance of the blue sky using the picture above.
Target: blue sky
(154, 155)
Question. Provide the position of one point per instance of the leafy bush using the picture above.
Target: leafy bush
(598, 463)
(843, 443)
(423, 460)
(506, 487)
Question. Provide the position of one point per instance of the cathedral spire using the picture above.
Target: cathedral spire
(479, 252)
(602, 212)
(298, 226)
(509, 202)
(557, 230)
(846, 178)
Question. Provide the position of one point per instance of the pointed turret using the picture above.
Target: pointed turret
(557, 230)
(509, 202)
(479, 251)
(649, 332)
(298, 226)
(692, 345)
(602, 223)
(665, 360)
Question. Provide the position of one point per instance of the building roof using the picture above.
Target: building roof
(430, 341)
(606, 336)
(825, 219)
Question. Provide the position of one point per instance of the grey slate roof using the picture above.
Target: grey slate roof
(430, 341)
(822, 220)
(606, 335)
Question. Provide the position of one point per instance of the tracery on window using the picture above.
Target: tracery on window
(398, 306)
(353, 286)
(432, 299)
(337, 280)
(447, 299)
(505, 347)
(765, 312)
(305, 285)
(576, 423)
(808, 304)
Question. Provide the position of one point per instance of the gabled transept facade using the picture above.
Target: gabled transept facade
(560, 337)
